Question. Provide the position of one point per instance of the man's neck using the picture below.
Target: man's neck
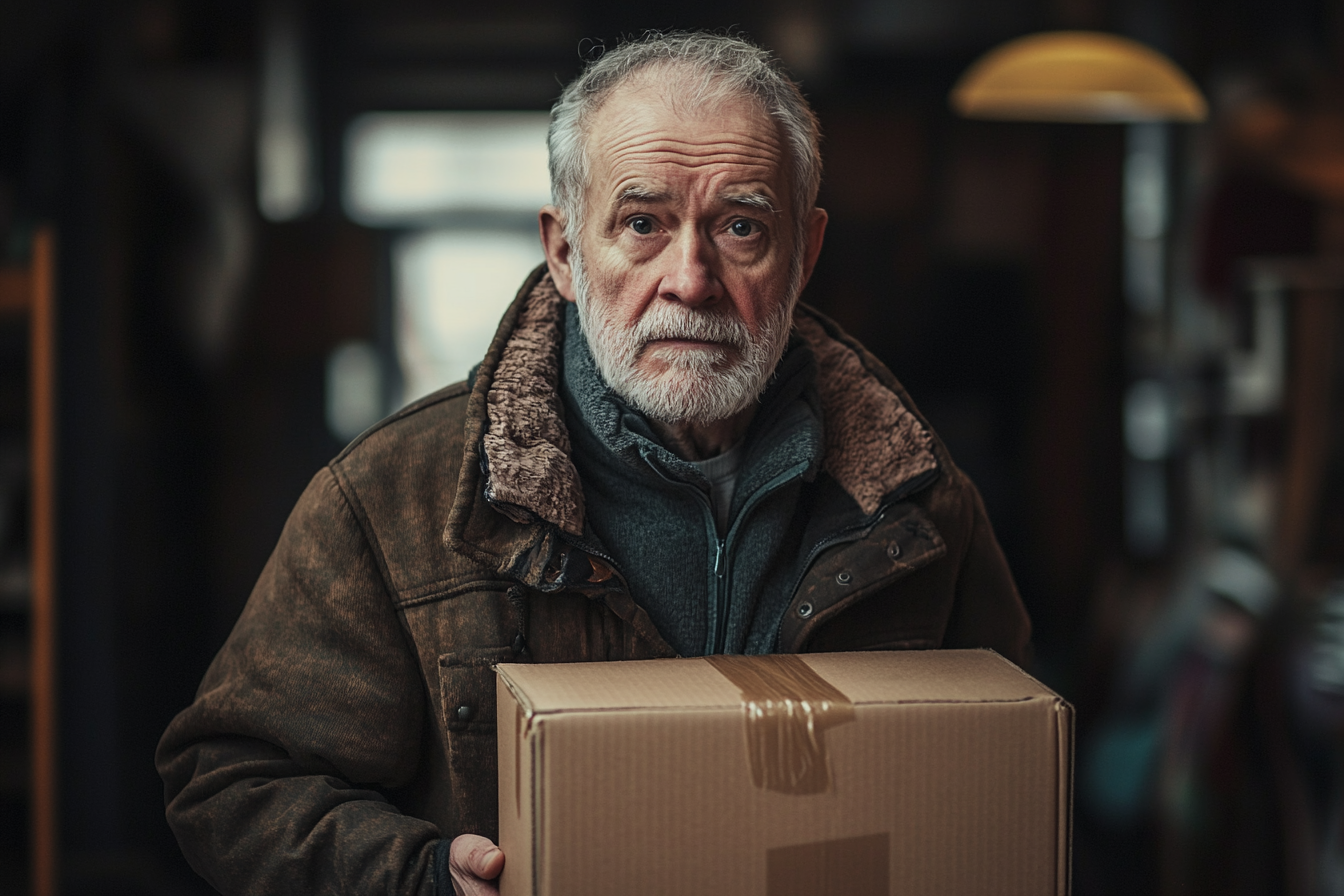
(697, 441)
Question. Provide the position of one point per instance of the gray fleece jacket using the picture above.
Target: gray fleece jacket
(650, 511)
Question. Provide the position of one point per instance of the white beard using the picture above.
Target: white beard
(699, 385)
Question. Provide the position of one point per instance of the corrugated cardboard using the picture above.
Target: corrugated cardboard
(950, 774)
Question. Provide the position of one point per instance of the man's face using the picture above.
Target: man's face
(687, 267)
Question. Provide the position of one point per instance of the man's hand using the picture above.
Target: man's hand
(474, 863)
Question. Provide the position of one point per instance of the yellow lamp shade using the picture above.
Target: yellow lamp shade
(1081, 76)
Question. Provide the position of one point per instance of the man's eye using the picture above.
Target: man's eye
(641, 225)
(742, 228)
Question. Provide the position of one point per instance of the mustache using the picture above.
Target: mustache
(674, 321)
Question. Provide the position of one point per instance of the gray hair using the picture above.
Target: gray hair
(718, 67)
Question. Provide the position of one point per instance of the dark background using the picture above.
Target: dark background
(980, 260)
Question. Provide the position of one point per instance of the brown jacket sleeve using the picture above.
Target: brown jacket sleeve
(987, 611)
(314, 705)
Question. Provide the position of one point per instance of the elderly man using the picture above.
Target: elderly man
(661, 454)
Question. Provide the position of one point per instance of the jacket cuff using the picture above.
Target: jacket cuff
(443, 878)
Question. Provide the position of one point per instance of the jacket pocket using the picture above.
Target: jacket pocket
(467, 705)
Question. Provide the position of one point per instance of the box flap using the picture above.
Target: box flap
(933, 676)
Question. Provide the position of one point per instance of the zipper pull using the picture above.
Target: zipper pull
(718, 561)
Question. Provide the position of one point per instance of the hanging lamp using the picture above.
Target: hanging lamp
(1077, 76)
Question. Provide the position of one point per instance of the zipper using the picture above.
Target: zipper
(724, 579)
(718, 615)
(721, 594)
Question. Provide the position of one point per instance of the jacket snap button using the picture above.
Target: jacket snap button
(893, 550)
(842, 578)
(465, 712)
(805, 610)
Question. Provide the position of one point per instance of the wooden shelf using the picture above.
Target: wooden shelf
(30, 589)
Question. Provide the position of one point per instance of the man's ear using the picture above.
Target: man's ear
(556, 246)
(816, 234)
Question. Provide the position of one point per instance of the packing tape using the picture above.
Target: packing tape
(788, 709)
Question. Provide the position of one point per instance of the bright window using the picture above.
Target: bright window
(405, 167)
(463, 189)
(451, 288)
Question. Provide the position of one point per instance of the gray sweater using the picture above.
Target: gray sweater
(650, 511)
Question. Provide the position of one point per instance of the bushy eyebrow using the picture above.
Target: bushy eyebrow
(639, 193)
(754, 200)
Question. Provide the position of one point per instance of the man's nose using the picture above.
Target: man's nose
(690, 277)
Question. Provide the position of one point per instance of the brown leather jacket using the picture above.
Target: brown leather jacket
(348, 724)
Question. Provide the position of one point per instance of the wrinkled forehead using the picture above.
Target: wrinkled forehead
(657, 107)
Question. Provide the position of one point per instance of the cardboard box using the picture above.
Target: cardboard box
(858, 773)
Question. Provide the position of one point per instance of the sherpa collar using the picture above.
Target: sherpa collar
(874, 443)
